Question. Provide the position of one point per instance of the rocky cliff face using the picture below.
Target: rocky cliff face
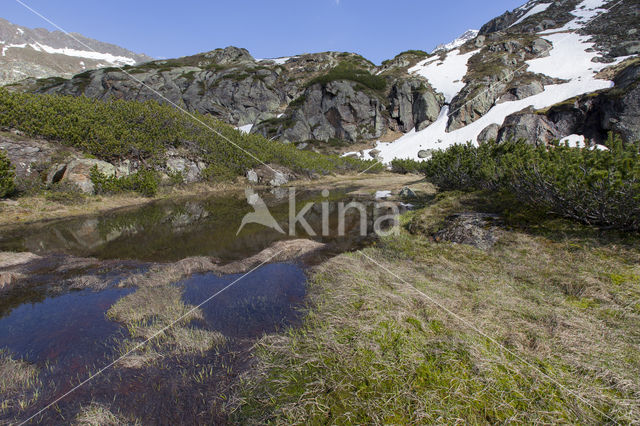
(315, 97)
(38, 53)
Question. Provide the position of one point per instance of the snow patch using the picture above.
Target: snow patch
(246, 128)
(568, 60)
(469, 35)
(19, 31)
(539, 8)
(445, 75)
(584, 12)
(574, 141)
(383, 194)
(38, 47)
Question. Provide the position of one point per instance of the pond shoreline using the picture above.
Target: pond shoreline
(37, 210)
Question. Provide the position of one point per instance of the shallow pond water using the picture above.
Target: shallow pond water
(66, 334)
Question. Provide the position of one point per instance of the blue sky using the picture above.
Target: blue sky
(376, 29)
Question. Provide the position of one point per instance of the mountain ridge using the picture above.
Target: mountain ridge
(40, 53)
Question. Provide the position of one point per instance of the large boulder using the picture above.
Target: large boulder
(536, 129)
(490, 133)
(78, 173)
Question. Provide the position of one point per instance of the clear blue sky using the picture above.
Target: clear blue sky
(376, 29)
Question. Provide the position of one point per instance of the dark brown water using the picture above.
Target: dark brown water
(67, 335)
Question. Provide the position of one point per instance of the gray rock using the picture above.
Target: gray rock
(407, 192)
(55, 174)
(414, 105)
(78, 173)
(425, 153)
(490, 133)
(475, 229)
(252, 176)
(533, 128)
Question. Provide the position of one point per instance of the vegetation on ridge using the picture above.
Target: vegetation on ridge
(144, 131)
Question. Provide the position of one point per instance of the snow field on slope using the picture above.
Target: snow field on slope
(568, 60)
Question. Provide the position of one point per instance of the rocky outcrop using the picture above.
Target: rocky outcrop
(78, 173)
(498, 73)
(475, 229)
(336, 110)
(270, 175)
(279, 98)
(615, 110)
(529, 126)
(413, 105)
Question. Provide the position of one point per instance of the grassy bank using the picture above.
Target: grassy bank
(375, 348)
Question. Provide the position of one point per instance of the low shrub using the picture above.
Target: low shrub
(7, 176)
(143, 131)
(144, 182)
(407, 166)
(596, 187)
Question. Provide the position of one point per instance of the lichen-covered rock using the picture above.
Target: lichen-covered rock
(475, 229)
(78, 173)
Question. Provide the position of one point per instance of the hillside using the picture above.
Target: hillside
(493, 84)
(39, 53)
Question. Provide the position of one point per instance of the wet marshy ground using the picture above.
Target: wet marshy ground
(74, 308)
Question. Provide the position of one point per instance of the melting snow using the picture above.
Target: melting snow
(574, 141)
(568, 60)
(539, 8)
(584, 12)
(383, 194)
(38, 47)
(246, 128)
(445, 76)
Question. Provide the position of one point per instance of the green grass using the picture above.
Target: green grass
(373, 350)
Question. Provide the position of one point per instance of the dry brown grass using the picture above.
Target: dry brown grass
(19, 383)
(99, 415)
(374, 349)
(158, 315)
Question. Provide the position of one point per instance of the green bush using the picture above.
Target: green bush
(144, 182)
(407, 166)
(347, 71)
(143, 131)
(7, 184)
(592, 186)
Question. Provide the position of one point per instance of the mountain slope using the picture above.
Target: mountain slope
(38, 53)
(330, 96)
(497, 83)
(527, 60)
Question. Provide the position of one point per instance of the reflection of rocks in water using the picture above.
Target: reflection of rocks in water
(173, 230)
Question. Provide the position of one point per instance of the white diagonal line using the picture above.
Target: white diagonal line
(486, 336)
(140, 345)
(193, 117)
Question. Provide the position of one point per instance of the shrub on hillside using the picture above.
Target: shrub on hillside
(347, 71)
(593, 186)
(144, 182)
(407, 166)
(7, 185)
(143, 131)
